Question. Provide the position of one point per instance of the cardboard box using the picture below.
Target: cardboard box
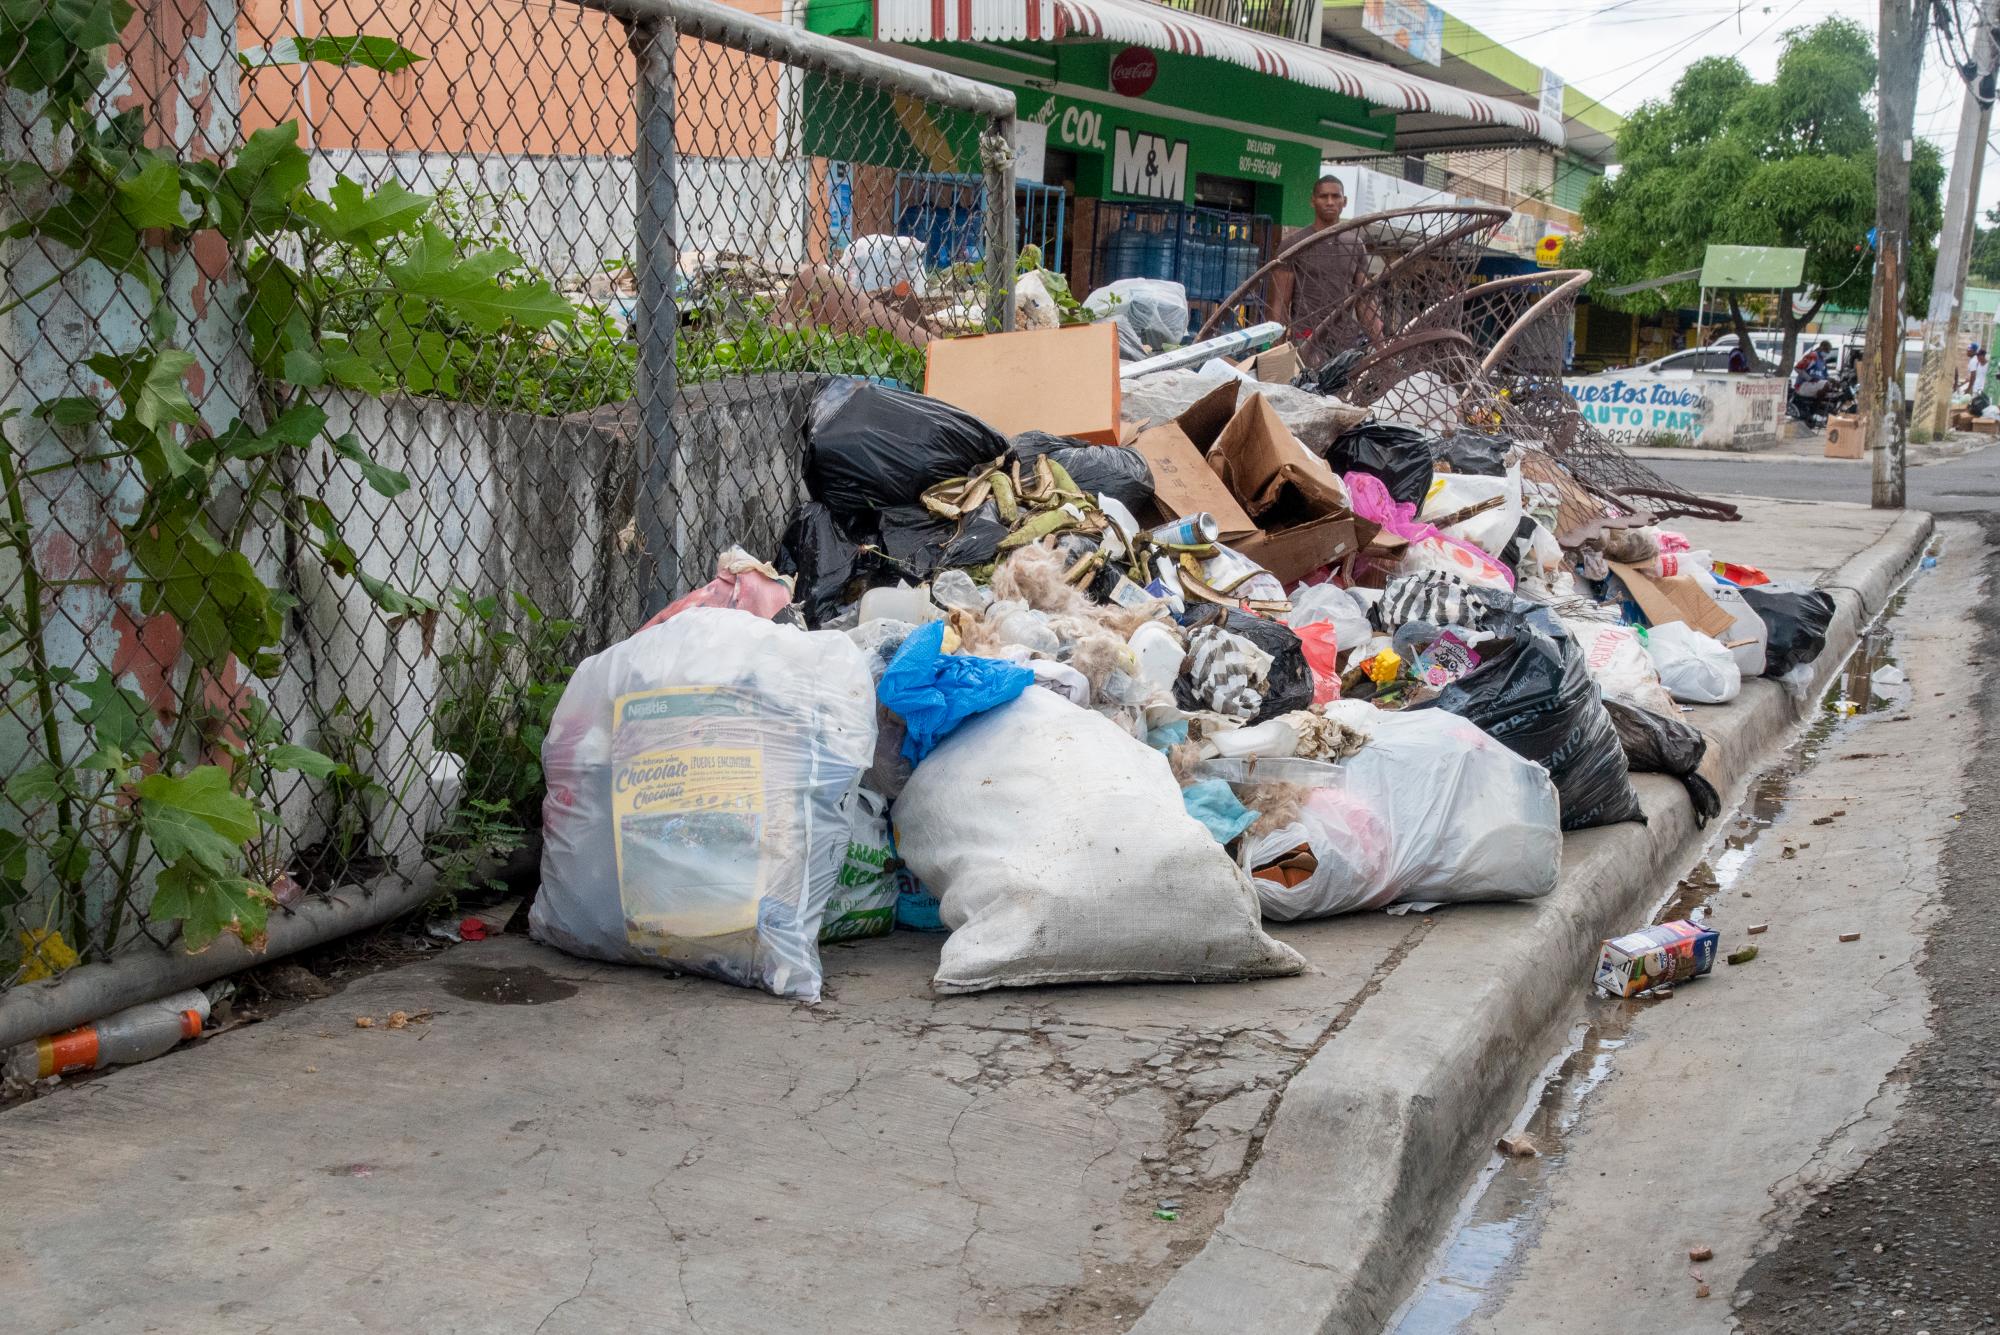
(1670, 953)
(1677, 599)
(1277, 365)
(1843, 437)
(1059, 380)
(1306, 524)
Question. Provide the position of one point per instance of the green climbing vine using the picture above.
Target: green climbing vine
(108, 777)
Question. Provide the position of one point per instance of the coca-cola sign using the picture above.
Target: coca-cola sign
(1133, 71)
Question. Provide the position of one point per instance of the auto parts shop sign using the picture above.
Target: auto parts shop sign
(1718, 412)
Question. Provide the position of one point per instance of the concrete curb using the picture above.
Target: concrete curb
(1377, 1136)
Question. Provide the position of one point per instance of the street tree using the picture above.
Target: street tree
(1726, 160)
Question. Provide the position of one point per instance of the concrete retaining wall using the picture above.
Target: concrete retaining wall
(1715, 412)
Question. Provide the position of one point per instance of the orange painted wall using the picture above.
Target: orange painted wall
(499, 76)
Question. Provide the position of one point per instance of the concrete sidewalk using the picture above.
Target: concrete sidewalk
(1797, 445)
(634, 1152)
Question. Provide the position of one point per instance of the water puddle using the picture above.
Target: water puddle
(1502, 1213)
(1504, 1209)
(518, 985)
(1872, 680)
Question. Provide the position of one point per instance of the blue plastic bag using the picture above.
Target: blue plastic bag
(1213, 802)
(933, 691)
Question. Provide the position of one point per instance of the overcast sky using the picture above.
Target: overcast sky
(1623, 52)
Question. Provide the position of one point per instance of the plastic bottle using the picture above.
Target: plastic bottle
(134, 1035)
(901, 603)
(1160, 654)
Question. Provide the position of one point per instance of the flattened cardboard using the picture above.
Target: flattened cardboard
(1293, 553)
(1063, 381)
(1675, 599)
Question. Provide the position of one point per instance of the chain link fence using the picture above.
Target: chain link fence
(369, 363)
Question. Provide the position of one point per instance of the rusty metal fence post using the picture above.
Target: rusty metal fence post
(654, 42)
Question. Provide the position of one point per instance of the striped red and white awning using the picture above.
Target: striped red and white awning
(1143, 23)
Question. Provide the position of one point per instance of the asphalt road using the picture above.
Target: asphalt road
(1907, 1243)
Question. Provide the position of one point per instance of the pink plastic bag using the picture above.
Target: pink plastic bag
(1370, 499)
(742, 582)
(1322, 652)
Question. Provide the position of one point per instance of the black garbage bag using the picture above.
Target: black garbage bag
(1797, 618)
(1533, 693)
(1289, 685)
(1330, 376)
(917, 543)
(872, 447)
(1117, 471)
(1399, 455)
(1656, 744)
(1474, 452)
(829, 564)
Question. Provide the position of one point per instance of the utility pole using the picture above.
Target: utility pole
(1899, 60)
(1975, 120)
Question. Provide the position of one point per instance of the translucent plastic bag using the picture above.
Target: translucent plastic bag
(1330, 603)
(881, 263)
(1152, 314)
(1693, 667)
(696, 774)
(1431, 810)
(864, 900)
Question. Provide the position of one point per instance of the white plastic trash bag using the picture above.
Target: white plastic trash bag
(1491, 529)
(1151, 313)
(1334, 858)
(1034, 306)
(696, 774)
(1329, 602)
(1694, 667)
(880, 263)
(1432, 810)
(1618, 663)
(1060, 852)
(1748, 638)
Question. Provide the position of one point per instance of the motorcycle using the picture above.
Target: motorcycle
(1811, 402)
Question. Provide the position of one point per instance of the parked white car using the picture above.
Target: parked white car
(1710, 360)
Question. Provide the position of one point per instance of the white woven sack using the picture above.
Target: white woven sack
(1060, 852)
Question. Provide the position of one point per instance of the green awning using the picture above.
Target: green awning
(1766, 268)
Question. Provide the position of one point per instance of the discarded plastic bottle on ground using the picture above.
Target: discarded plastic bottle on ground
(134, 1035)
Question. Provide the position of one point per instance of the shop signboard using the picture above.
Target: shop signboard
(1149, 164)
(1717, 412)
(1411, 25)
(1149, 156)
(1551, 106)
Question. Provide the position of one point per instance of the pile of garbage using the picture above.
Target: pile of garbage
(1099, 671)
